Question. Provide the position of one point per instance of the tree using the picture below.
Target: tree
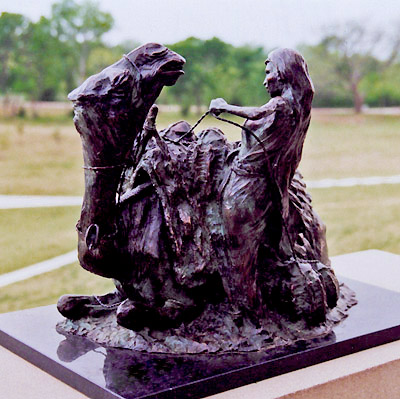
(102, 55)
(330, 89)
(383, 89)
(247, 84)
(201, 60)
(80, 28)
(45, 58)
(348, 56)
(45, 62)
(11, 29)
(218, 69)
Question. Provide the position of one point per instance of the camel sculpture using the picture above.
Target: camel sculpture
(195, 231)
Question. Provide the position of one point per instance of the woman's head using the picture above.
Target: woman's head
(272, 82)
(286, 68)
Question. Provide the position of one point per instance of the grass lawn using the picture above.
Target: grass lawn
(40, 159)
(339, 146)
(47, 288)
(360, 218)
(46, 158)
(35, 234)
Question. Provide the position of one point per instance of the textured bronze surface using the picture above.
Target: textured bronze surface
(197, 232)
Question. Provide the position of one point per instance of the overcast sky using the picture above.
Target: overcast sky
(268, 23)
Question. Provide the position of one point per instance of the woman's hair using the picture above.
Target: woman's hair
(293, 72)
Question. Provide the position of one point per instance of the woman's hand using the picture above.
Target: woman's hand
(217, 106)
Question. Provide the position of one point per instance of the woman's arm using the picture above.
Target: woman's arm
(219, 105)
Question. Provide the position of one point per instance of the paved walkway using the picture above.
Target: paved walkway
(354, 181)
(37, 201)
(38, 268)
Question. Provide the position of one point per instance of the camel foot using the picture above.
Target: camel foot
(77, 306)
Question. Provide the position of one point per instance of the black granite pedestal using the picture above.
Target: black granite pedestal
(102, 373)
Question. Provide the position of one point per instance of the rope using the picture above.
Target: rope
(251, 133)
(192, 128)
(227, 121)
(106, 306)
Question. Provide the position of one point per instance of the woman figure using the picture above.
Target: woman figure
(259, 219)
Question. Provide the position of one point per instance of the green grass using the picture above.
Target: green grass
(47, 158)
(339, 146)
(360, 218)
(40, 159)
(35, 234)
(45, 289)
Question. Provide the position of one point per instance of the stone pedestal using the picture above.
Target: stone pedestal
(360, 360)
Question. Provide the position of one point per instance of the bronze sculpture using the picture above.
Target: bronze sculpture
(198, 232)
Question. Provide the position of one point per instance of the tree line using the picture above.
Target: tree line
(44, 60)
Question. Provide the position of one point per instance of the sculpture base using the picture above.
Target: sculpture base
(214, 331)
(102, 372)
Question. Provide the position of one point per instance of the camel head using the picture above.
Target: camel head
(158, 65)
(111, 107)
